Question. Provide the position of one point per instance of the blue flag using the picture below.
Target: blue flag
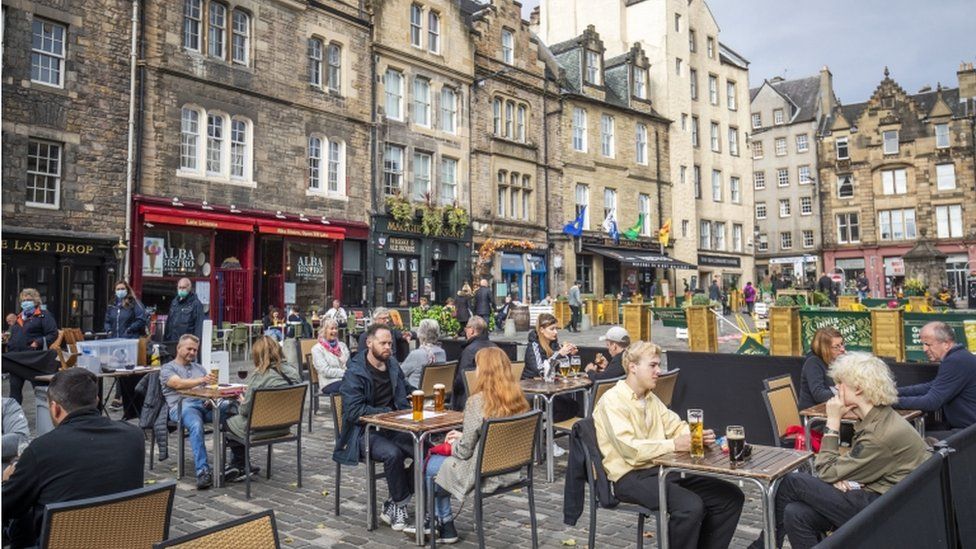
(610, 226)
(576, 227)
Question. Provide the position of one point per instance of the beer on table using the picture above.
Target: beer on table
(417, 401)
(735, 436)
(696, 421)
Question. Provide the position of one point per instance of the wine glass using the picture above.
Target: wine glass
(242, 374)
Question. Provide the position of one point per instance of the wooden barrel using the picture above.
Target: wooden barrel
(520, 315)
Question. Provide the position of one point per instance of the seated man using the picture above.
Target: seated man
(86, 455)
(373, 383)
(617, 340)
(954, 388)
(476, 334)
(180, 374)
(886, 448)
(632, 428)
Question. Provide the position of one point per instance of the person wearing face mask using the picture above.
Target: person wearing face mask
(34, 330)
(185, 313)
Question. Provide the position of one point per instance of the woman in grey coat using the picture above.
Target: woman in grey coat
(428, 352)
(496, 394)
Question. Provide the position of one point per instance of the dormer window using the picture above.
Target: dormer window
(592, 67)
(508, 46)
(640, 82)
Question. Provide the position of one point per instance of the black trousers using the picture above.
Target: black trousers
(574, 318)
(17, 387)
(807, 508)
(703, 511)
(392, 449)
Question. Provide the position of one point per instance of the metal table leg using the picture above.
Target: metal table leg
(180, 461)
(370, 488)
(806, 433)
(662, 496)
(550, 442)
(219, 445)
(418, 486)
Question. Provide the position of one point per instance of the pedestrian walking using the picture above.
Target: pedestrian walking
(575, 305)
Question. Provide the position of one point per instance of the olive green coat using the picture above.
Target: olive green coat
(270, 378)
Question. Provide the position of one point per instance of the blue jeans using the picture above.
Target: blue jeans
(442, 500)
(195, 414)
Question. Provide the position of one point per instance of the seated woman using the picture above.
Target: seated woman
(543, 355)
(496, 394)
(270, 370)
(274, 324)
(815, 384)
(427, 352)
(329, 357)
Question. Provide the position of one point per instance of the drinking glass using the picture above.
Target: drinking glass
(696, 422)
(417, 400)
(439, 393)
(215, 372)
(574, 365)
(564, 368)
(242, 374)
(736, 437)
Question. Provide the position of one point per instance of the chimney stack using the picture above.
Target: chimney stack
(534, 19)
(826, 99)
(967, 81)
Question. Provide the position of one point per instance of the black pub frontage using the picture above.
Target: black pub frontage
(74, 273)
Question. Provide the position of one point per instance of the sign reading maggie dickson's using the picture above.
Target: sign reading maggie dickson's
(706, 260)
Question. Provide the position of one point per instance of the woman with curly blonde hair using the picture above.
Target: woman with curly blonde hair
(496, 394)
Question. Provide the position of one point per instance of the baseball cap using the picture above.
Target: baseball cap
(616, 334)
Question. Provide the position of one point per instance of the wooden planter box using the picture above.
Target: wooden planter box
(702, 329)
(888, 333)
(611, 310)
(784, 331)
(919, 303)
(659, 301)
(562, 312)
(844, 302)
(637, 321)
(591, 310)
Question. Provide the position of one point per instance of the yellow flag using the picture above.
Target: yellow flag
(664, 234)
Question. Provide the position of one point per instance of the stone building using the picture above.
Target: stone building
(423, 61)
(65, 113)
(702, 86)
(613, 156)
(253, 154)
(894, 169)
(785, 121)
(512, 105)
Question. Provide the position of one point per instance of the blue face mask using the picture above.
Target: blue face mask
(121, 294)
(182, 293)
(27, 306)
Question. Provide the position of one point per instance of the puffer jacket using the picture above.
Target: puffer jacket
(126, 322)
(155, 412)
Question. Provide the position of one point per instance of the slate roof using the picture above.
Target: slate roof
(802, 92)
(925, 101)
(730, 56)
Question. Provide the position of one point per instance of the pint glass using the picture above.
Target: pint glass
(439, 392)
(736, 437)
(417, 401)
(215, 372)
(696, 420)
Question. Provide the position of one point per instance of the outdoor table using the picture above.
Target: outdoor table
(819, 412)
(764, 468)
(546, 392)
(402, 421)
(215, 397)
(121, 372)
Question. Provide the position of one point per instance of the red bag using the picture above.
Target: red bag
(442, 449)
(800, 441)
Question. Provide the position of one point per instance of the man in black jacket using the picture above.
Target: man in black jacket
(86, 455)
(483, 304)
(617, 339)
(476, 331)
(185, 313)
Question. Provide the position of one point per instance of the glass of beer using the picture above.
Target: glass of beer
(574, 365)
(215, 372)
(564, 369)
(736, 437)
(439, 392)
(417, 400)
(696, 420)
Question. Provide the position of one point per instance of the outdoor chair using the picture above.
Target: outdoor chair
(313, 380)
(257, 530)
(439, 372)
(238, 338)
(756, 335)
(517, 369)
(783, 413)
(470, 376)
(507, 445)
(599, 486)
(664, 389)
(133, 519)
(371, 477)
(785, 380)
(273, 409)
(961, 469)
(596, 392)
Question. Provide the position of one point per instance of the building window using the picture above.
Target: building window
(848, 230)
(694, 131)
(894, 182)
(945, 176)
(716, 186)
(786, 240)
(949, 221)
(496, 116)
(735, 190)
(609, 201)
(783, 177)
(778, 118)
(757, 149)
(760, 210)
(335, 67)
(189, 138)
(226, 158)
(509, 118)
(845, 186)
(716, 141)
(216, 30)
(713, 89)
(448, 110)
(315, 163)
(43, 174)
(416, 25)
(890, 138)
(736, 237)
(897, 224)
(683, 174)
(502, 192)
(584, 272)
(582, 201)
(730, 95)
(526, 198)
(677, 66)
(693, 76)
(802, 144)
(508, 46)
(806, 205)
(420, 185)
(684, 121)
(644, 211)
(520, 115)
(337, 167)
(803, 175)
(215, 144)
(692, 42)
(241, 39)
(434, 32)
(513, 211)
(393, 86)
(640, 83)
(641, 143)
(705, 234)
(718, 236)
(592, 67)
(807, 238)
(756, 120)
(606, 135)
(315, 62)
(191, 24)
(47, 52)
(238, 148)
(842, 151)
(393, 169)
(677, 22)
(784, 207)
(448, 180)
(710, 47)
(941, 136)
(579, 129)
(759, 180)
(780, 145)
(733, 141)
(697, 180)
(763, 243)
(684, 228)
(421, 101)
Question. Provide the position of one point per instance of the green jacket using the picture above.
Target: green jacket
(270, 378)
(886, 448)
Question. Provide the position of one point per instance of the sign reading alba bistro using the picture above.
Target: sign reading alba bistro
(855, 327)
(309, 267)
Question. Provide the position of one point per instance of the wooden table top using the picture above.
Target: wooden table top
(537, 386)
(138, 371)
(767, 463)
(402, 420)
(820, 411)
(211, 393)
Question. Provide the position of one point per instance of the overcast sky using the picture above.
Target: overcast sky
(921, 42)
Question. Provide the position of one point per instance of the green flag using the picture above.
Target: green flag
(635, 231)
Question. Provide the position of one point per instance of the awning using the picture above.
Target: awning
(640, 258)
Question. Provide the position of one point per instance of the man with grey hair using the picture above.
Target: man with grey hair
(476, 332)
(954, 388)
(427, 352)
(381, 315)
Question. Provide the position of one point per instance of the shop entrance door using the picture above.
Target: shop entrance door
(232, 292)
(81, 308)
(402, 280)
(443, 281)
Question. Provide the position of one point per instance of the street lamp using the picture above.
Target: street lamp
(120, 249)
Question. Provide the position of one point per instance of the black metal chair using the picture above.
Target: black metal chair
(257, 530)
(372, 476)
(313, 380)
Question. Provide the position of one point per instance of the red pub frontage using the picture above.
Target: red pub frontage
(240, 261)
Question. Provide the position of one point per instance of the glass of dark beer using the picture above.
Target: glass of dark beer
(736, 437)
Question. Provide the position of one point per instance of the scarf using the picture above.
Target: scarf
(331, 346)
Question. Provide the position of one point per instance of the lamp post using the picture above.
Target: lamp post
(120, 248)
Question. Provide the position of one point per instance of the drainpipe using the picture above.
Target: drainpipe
(129, 160)
(374, 148)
